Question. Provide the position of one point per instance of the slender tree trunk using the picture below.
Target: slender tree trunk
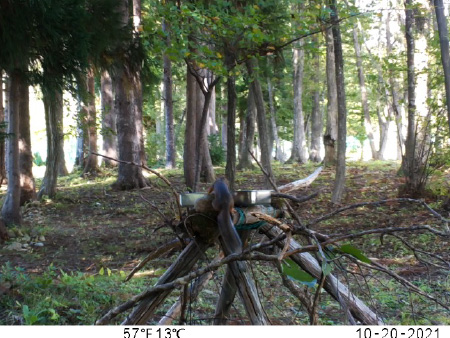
(331, 132)
(445, 56)
(109, 119)
(91, 166)
(11, 206)
(53, 104)
(363, 90)
(273, 121)
(249, 132)
(168, 105)
(408, 161)
(339, 184)
(190, 153)
(396, 108)
(299, 142)
(2, 129)
(62, 169)
(316, 115)
(230, 168)
(27, 185)
(80, 159)
(261, 118)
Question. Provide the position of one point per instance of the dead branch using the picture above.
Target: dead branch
(377, 203)
(174, 192)
(301, 199)
(300, 183)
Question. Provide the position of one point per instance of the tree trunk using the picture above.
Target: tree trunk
(230, 168)
(245, 159)
(299, 142)
(339, 184)
(190, 153)
(2, 129)
(109, 128)
(363, 90)
(91, 166)
(397, 110)
(445, 56)
(168, 105)
(11, 206)
(53, 104)
(27, 185)
(273, 122)
(128, 100)
(331, 132)
(316, 114)
(261, 118)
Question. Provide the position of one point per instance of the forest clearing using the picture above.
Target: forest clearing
(261, 162)
(94, 236)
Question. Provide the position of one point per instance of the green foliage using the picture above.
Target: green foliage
(354, 251)
(216, 150)
(293, 271)
(37, 159)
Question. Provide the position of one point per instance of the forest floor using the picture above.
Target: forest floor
(76, 248)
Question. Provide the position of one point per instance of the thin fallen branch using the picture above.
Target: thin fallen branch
(377, 203)
(401, 280)
(174, 192)
(293, 198)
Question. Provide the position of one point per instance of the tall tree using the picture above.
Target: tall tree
(445, 54)
(339, 184)
(128, 101)
(245, 159)
(2, 139)
(273, 121)
(27, 185)
(168, 104)
(331, 132)
(109, 117)
(299, 141)
(91, 165)
(316, 114)
(11, 207)
(261, 118)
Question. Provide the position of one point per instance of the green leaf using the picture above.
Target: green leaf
(293, 271)
(326, 268)
(355, 252)
(101, 272)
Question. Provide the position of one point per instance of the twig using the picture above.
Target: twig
(313, 313)
(174, 192)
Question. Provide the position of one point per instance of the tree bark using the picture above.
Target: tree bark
(261, 119)
(190, 152)
(2, 129)
(230, 168)
(11, 206)
(331, 132)
(91, 166)
(53, 104)
(273, 122)
(316, 114)
(339, 184)
(128, 100)
(245, 159)
(363, 91)
(109, 119)
(168, 104)
(299, 142)
(27, 185)
(445, 54)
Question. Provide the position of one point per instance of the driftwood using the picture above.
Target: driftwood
(300, 183)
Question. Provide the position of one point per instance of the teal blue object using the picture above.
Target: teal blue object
(241, 225)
